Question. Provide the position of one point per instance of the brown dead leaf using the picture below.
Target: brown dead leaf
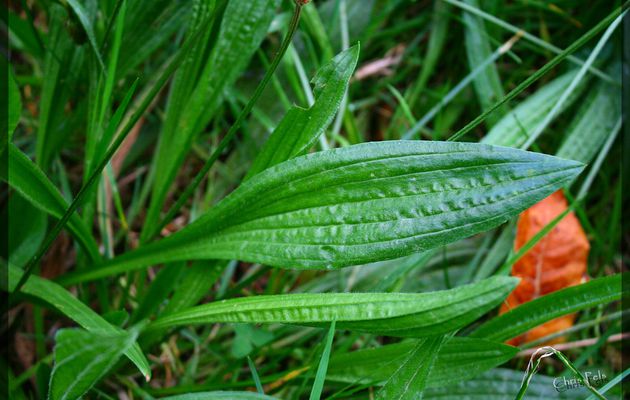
(557, 261)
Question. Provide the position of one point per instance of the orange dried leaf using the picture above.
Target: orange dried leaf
(557, 261)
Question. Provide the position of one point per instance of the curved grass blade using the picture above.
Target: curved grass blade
(31, 182)
(554, 305)
(300, 128)
(458, 359)
(393, 314)
(605, 22)
(359, 204)
(515, 127)
(74, 309)
(82, 358)
(410, 379)
(84, 19)
(487, 84)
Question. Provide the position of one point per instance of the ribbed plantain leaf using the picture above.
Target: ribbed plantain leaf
(360, 204)
(554, 305)
(392, 314)
(244, 25)
(459, 359)
(300, 128)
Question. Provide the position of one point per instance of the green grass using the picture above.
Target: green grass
(204, 202)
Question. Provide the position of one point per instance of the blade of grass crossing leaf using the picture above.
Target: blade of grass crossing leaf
(409, 381)
(562, 302)
(526, 35)
(85, 189)
(576, 80)
(192, 186)
(320, 376)
(603, 24)
(613, 382)
(242, 29)
(74, 309)
(84, 19)
(487, 83)
(480, 68)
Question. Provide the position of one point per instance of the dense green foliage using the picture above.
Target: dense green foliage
(322, 255)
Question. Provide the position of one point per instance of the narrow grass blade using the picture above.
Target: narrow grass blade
(14, 109)
(320, 376)
(603, 24)
(410, 379)
(220, 396)
(87, 25)
(31, 182)
(392, 314)
(242, 30)
(593, 122)
(515, 127)
(359, 204)
(562, 302)
(74, 309)
(487, 84)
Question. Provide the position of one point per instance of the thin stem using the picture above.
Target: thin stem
(190, 189)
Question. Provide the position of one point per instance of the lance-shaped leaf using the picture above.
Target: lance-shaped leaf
(82, 358)
(410, 378)
(359, 204)
(244, 25)
(31, 182)
(458, 359)
(300, 128)
(392, 314)
(566, 301)
(74, 309)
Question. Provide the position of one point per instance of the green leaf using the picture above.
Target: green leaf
(87, 25)
(514, 128)
(320, 376)
(15, 104)
(27, 235)
(458, 359)
(410, 379)
(487, 84)
(392, 314)
(242, 30)
(359, 204)
(554, 305)
(300, 128)
(593, 123)
(82, 358)
(31, 182)
(501, 384)
(220, 396)
(68, 305)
